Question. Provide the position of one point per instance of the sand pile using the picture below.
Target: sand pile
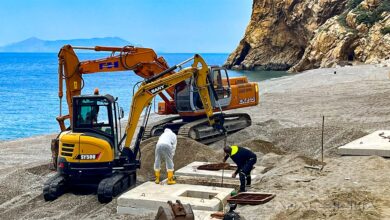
(303, 193)
(249, 133)
(187, 151)
(262, 146)
(310, 161)
(21, 198)
(19, 182)
(280, 138)
(354, 204)
(307, 140)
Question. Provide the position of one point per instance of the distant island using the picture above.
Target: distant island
(34, 44)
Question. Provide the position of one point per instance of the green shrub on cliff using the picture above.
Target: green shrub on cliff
(353, 3)
(385, 30)
(372, 16)
(384, 6)
(367, 17)
(342, 19)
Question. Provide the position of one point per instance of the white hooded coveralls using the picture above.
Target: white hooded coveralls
(165, 149)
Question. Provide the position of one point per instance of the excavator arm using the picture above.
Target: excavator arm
(148, 90)
(143, 61)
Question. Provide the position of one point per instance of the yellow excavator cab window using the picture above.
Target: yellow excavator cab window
(93, 114)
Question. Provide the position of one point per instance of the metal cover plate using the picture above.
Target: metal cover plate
(217, 166)
(251, 198)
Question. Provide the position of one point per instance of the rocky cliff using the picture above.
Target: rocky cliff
(305, 34)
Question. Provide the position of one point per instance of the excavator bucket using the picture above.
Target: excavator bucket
(175, 211)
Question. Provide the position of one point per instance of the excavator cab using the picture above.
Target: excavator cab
(187, 96)
(95, 114)
(221, 84)
(93, 138)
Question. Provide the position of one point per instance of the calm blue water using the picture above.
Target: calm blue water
(29, 100)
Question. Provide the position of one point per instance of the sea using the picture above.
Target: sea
(29, 100)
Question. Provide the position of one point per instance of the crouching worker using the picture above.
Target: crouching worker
(165, 149)
(245, 160)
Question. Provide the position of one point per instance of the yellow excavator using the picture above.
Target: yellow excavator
(93, 151)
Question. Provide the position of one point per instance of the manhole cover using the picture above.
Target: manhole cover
(251, 198)
(217, 166)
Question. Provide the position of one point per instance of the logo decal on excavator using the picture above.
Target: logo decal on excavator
(108, 65)
(157, 89)
(247, 100)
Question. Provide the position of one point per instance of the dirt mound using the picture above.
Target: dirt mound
(377, 163)
(307, 140)
(350, 197)
(21, 198)
(40, 170)
(311, 162)
(258, 130)
(264, 147)
(354, 204)
(187, 151)
(283, 137)
(296, 214)
(17, 183)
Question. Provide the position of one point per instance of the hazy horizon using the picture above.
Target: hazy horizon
(170, 26)
(88, 42)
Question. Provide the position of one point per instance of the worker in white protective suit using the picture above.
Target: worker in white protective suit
(165, 149)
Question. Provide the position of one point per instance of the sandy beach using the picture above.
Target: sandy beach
(286, 136)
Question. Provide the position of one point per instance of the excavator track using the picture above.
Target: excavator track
(157, 128)
(200, 131)
(54, 187)
(114, 185)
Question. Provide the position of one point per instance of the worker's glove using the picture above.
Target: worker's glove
(234, 175)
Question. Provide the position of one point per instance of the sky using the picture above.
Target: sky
(164, 25)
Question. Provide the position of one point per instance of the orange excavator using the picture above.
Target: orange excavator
(182, 100)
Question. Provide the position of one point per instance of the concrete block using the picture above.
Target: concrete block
(376, 143)
(147, 197)
(191, 170)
